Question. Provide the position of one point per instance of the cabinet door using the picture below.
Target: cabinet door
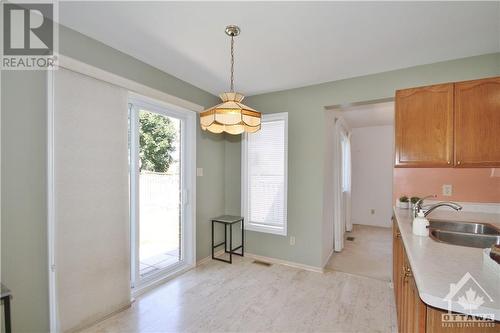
(397, 257)
(408, 299)
(424, 126)
(419, 309)
(477, 123)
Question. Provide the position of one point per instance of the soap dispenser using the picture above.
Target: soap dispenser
(420, 225)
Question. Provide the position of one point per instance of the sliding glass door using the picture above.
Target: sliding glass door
(158, 167)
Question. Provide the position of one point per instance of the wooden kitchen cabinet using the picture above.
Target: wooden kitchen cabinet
(449, 125)
(477, 123)
(397, 252)
(413, 315)
(424, 126)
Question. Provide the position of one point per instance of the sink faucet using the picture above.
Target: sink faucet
(450, 204)
(418, 205)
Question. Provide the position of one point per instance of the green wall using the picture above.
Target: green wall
(23, 209)
(23, 171)
(306, 144)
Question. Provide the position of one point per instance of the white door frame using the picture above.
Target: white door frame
(172, 102)
(188, 174)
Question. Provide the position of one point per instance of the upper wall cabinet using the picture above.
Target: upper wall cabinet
(424, 126)
(477, 123)
(449, 125)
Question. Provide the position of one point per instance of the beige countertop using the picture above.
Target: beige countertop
(437, 265)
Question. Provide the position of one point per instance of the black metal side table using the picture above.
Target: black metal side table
(228, 220)
(5, 296)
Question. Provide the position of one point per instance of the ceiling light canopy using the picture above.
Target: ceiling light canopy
(231, 116)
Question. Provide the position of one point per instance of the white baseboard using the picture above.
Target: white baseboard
(95, 320)
(285, 262)
(268, 259)
(328, 259)
(207, 259)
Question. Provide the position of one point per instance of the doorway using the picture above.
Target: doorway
(160, 157)
(364, 206)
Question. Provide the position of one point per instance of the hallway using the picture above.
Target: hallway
(369, 254)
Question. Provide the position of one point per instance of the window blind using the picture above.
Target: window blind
(266, 175)
(91, 199)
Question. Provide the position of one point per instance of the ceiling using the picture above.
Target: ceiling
(377, 114)
(287, 44)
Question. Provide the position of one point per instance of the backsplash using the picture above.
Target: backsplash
(468, 185)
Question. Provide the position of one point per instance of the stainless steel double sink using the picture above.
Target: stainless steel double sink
(480, 235)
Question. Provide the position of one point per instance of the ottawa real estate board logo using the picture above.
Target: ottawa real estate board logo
(471, 302)
(30, 37)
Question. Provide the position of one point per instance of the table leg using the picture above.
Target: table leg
(225, 237)
(6, 308)
(230, 243)
(242, 238)
(213, 256)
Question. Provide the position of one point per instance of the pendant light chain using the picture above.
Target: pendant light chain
(232, 63)
(231, 116)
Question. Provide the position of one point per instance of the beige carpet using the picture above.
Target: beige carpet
(370, 254)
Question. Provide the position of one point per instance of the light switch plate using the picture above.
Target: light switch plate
(199, 172)
(447, 190)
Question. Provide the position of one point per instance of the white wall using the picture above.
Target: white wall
(328, 190)
(372, 165)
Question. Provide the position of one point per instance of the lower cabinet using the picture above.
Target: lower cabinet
(414, 316)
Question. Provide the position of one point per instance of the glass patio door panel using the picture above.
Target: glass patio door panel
(157, 153)
(159, 192)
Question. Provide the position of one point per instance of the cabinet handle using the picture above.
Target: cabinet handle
(458, 162)
(406, 273)
(398, 234)
(449, 162)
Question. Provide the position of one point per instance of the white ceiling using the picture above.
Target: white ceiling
(377, 114)
(287, 44)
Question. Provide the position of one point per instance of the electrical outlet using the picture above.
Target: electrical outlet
(447, 190)
(199, 172)
(292, 240)
(372, 211)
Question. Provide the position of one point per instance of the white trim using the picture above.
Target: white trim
(133, 194)
(51, 206)
(141, 89)
(188, 185)
(328, 258)
(144, 288)
(208, 258)
(285, 262)
(96, 320)
(282, 116)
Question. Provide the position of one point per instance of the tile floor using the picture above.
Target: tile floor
(246, 297)
(370, 254)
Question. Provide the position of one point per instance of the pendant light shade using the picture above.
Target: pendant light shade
(231, 116)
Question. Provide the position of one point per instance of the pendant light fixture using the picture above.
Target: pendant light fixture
(231, 116)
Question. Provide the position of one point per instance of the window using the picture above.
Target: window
(264, 176)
